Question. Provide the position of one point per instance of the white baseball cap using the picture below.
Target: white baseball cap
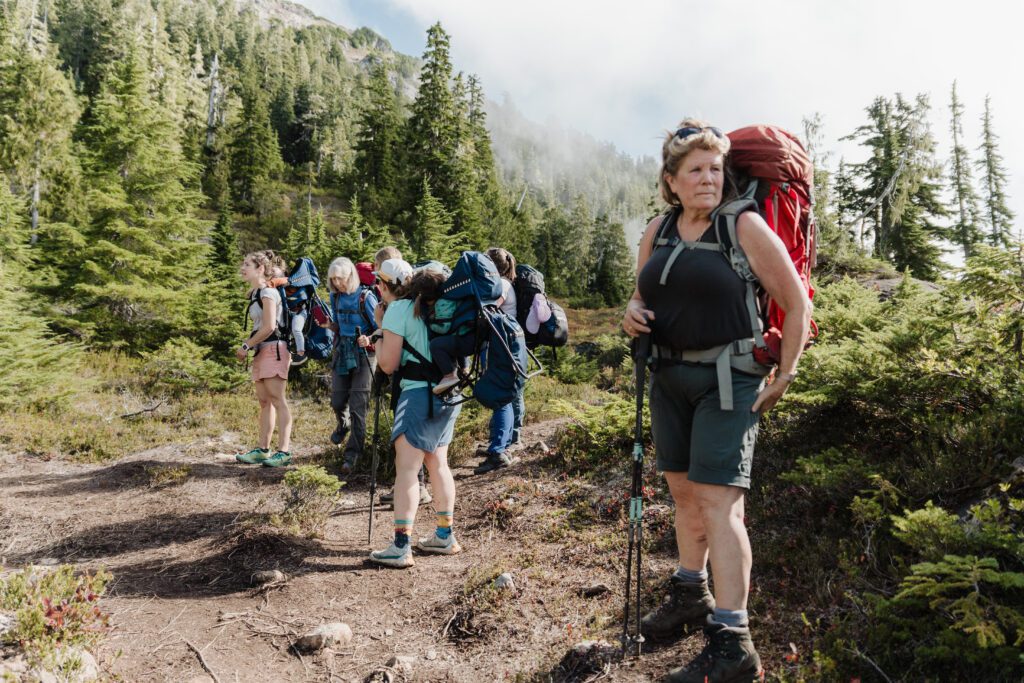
(394, 271)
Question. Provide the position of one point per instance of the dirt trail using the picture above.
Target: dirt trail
(182, 576)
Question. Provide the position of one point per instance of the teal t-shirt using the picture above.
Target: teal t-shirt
(399, 319)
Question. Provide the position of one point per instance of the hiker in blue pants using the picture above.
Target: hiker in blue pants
(507, 420)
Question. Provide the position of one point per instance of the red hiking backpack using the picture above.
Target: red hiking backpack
(772, 168)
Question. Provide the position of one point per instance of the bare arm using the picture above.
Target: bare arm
(637, 314)
(770, 262)
(389, 352)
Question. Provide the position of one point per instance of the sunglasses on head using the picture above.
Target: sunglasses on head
(687, 131)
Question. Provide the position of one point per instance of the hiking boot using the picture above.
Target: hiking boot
(728, 657)
(685, 610)
(482, 452)
(393, 556)
(338, 435)
(254, 457)
(299, 360)
(444, 385)
(279, 459)
(442, 546)
(387, 496)
(494, 461)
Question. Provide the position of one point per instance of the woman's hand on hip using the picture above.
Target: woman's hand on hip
(637, 319)
(769, 396)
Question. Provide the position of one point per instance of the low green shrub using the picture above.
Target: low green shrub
(54, 610)
(312, 495)
(181, 366)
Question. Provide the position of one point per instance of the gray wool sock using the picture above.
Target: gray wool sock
(690, 576)
(734, 618)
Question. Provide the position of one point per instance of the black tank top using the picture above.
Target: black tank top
(703, 301)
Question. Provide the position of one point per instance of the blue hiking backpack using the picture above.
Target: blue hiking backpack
(468, 305)
(304, 279)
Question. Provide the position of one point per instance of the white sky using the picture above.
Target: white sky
(626, 70)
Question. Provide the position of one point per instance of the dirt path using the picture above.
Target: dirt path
(182, 573)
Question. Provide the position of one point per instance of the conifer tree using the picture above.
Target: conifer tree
(37, 367)
(433, 235)
(902, 177)
(577, 243)
(38, 112)
(965, 228)
(361, 238)
(824, 212)
(377, 153)
(308, 236)
(255, 156)
(611, 263)
(552, 248)
(137, 278)
(997, 214)
(847, 202)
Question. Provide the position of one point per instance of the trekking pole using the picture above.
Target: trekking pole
(641, 351)
(377, 390)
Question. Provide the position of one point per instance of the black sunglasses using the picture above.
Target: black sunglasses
(686, 132)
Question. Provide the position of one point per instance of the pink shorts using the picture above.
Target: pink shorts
(266, 363)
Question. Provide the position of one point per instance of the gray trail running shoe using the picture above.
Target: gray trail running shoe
(728, 657)
(442, 546)
(393, 556)
(685, 610)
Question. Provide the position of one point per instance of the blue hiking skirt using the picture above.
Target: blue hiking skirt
(412, 418)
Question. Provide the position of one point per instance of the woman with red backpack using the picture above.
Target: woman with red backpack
(707, 392)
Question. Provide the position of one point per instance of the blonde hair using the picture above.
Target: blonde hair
(675, 149)
(383, 254)
(343, 269)
(264, 261)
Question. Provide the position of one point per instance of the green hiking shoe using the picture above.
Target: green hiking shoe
(254, 457)
(728, 657)
(685, 610)
(279, 459)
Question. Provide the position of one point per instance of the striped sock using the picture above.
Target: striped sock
(444, 524)
(402, 527)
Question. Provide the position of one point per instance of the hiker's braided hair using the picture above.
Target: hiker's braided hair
(264, 261)
(504, 262)
(674, 150)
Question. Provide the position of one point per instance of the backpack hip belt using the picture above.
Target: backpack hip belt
(738, 355)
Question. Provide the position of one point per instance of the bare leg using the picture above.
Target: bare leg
(266, 413)
(444, 482)
(408, 460)
(691, 536)
(275, 388)
(722, 511)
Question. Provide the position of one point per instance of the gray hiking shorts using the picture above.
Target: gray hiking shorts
(693, 434)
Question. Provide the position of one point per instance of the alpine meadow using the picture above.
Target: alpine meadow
(233, 224)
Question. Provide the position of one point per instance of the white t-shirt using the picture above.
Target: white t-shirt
(256, 311)
(509, 293)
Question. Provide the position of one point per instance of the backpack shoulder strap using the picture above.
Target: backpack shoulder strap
(363, 293)
(664, 236)
(725, 218)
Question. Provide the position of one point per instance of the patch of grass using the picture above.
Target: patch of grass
(163, 476)
(312, 495)
(53, 611)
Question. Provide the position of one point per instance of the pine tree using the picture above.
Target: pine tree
(361, 238)
(611, 263)
(847, 202)
(433, 236)
(552, 248)
(998, 215)
(375, 168)
(308, 236)
(255, 156)
(901, 180)
(38, 113)
(965, 230)
(37, 368)
(577, 242)
(824, 212)
(137, 279)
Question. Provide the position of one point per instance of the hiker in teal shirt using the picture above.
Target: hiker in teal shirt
(424, 424)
